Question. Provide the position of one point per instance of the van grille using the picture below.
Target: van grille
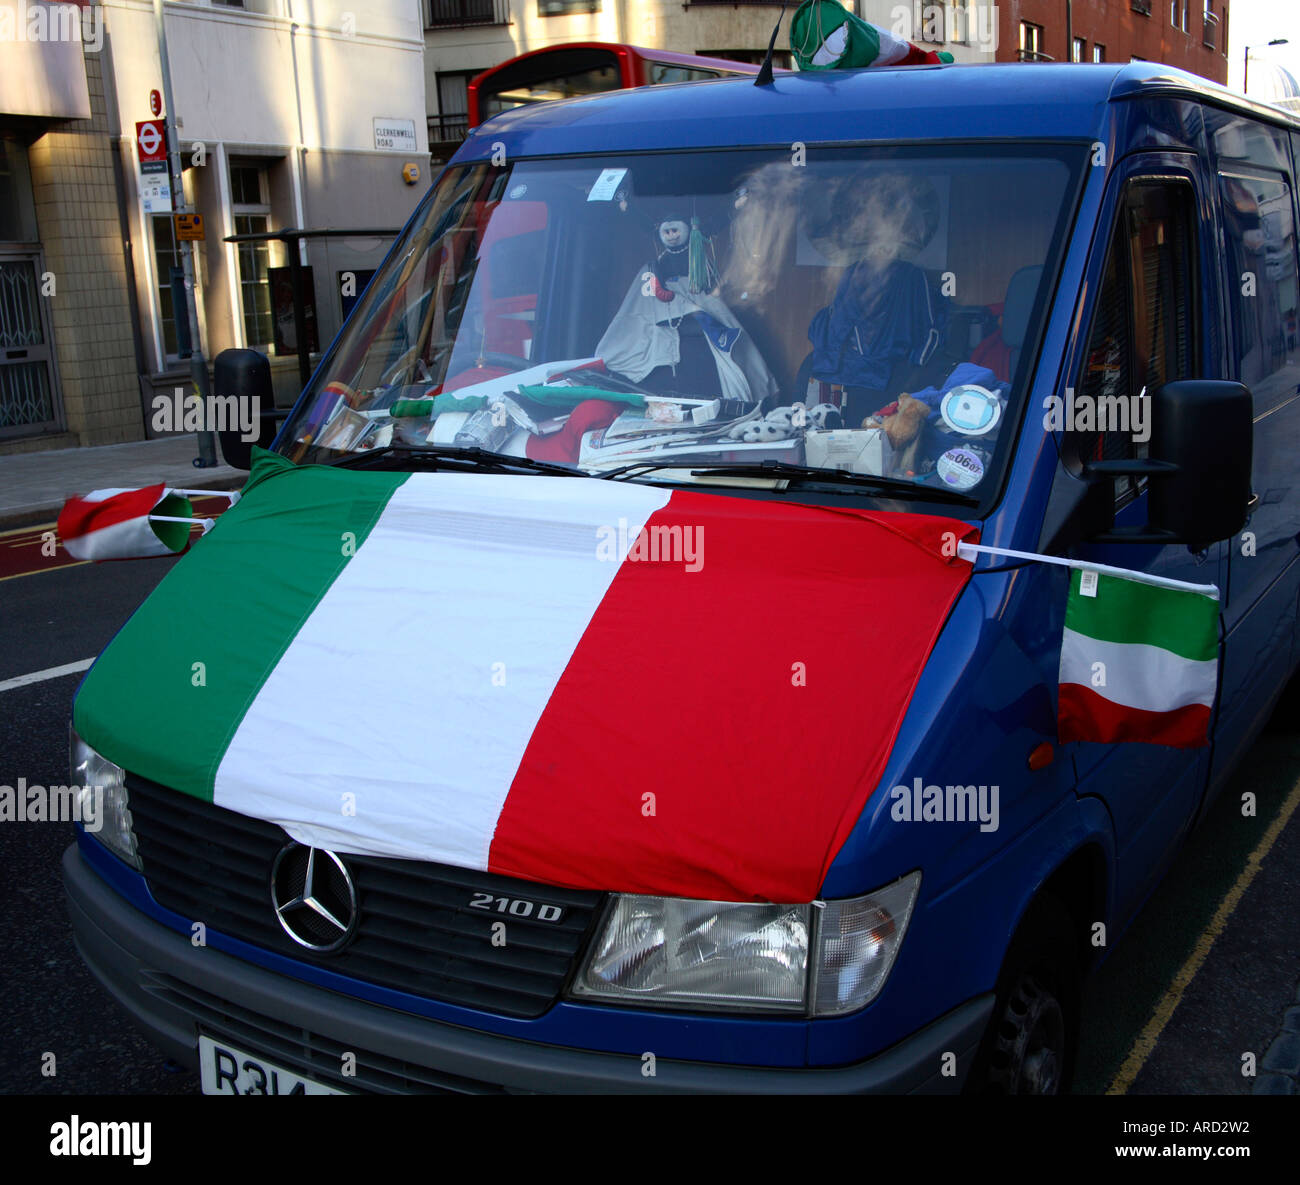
(416, 932)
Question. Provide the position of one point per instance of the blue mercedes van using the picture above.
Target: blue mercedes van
(597, 695)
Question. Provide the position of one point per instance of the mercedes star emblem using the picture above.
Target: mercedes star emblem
(314, 897)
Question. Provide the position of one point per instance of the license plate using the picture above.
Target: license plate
(224, 1069)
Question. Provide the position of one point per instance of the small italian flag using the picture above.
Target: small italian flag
(824, 35)
(121, 524)
(1139, 661)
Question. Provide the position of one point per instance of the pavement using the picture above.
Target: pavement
(34, 486)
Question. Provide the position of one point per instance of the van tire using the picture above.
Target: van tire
(1029, 1046)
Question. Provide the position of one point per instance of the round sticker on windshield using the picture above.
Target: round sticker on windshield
(970, 410)
(519, 191)
(960, 468)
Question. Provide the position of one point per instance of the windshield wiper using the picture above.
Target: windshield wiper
(803, 474)
(452, 456)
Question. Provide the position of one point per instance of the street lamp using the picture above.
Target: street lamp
(1245, 73)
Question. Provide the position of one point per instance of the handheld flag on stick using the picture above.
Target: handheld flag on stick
(123, 524)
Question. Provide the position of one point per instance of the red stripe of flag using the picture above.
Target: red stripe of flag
(80, 517)
(1084, 715)
(683, 687)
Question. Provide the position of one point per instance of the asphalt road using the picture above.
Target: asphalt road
(54, 1004)
(1190, 989)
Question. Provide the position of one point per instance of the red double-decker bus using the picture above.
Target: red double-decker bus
(586, 68)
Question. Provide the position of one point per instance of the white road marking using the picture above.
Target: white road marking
(71, 668)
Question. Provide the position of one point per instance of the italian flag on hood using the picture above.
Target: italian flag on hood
(580, 682)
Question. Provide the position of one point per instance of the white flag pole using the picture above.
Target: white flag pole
(205, 523)
(233, 495)
(971, 551)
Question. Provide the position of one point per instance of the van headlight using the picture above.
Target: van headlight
(822, 960)
(102, 805)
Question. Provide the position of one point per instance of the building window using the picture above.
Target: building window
(166, 255)
(563, 7)
(1209, 27)
(959, 19)
(449, 14)
(250, 208)
(451, 123)
(928, 23)
(1031, 42)
(1077, 49)
(1098, 52)
(1178, 14)
(17, 207)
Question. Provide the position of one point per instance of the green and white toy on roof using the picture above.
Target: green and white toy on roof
(824, 35)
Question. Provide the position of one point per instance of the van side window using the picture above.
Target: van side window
(1143, 329)
(1260, 257)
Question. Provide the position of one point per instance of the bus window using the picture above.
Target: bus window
(585, 68)
(662, 72)
(553, 85)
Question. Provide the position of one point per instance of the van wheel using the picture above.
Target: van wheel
(1030, 1043)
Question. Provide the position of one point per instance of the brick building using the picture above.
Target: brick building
(1189, 34)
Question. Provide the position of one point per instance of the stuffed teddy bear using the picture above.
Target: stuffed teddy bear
(901, 421)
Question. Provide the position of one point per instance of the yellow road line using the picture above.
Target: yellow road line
(38, 571)
(26, 530)
(1146, 1042)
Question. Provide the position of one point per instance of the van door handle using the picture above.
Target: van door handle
(1252, 505)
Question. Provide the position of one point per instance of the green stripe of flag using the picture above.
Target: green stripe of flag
(1129, 611)
(234, 604)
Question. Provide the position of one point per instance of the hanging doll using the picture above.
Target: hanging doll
(673, 333)
(684, 253)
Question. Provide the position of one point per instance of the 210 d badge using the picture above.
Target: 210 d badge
(518, 907)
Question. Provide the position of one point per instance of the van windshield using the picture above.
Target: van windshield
(868, 310)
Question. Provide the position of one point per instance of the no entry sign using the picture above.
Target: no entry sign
(151, 144)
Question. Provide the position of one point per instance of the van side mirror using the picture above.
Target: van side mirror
(1198, 468)
(245, 377)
